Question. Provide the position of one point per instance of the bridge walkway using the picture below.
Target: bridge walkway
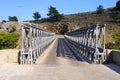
(57, 54)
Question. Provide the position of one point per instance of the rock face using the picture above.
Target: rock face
(9, 26)
(12, 26)
(9, 56)
(57, 27)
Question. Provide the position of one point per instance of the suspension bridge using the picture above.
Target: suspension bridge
(77, 55)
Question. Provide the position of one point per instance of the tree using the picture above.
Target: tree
(3, 21)
(13, 18)
(36, 16)
(118, 5)
(54, 15)
(100, 9)
(116, 15)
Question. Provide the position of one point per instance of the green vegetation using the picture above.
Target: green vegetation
(116, 14)
(116, 37)
(36, 16)
(8, 40)
(100, 9)
(118, 5)
(54, 15)
(13, 18)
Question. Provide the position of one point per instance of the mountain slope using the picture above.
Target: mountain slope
(91, 18)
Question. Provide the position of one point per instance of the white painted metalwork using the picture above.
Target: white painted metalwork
(35, 40)
(90, 41)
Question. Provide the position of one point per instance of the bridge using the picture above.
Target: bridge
(89, 42)
(77, 55)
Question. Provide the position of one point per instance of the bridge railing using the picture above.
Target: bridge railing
(89, 41)
(35, 40)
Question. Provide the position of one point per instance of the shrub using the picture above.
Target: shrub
(12, 29)
(116, 37)
(116, 15)
(8, 40)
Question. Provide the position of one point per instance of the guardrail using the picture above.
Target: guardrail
(89, 41)
(35, 40)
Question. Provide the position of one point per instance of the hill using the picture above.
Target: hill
(91, 18)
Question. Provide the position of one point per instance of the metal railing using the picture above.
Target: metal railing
(89, 41)
(35, 40)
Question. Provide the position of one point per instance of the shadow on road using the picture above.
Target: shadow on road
(63, 50)
(59, 51)
(113, 67)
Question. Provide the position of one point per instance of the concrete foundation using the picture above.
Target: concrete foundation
(114, 56)
(9, 56)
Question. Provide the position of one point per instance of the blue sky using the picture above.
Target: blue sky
(24, 9)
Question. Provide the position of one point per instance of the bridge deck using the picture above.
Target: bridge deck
(58, 63)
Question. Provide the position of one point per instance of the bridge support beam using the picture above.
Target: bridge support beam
(90, 41)
(35, 40)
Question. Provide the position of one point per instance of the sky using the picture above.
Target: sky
(24, 9)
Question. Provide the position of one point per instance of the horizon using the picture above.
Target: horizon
(24, 9)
